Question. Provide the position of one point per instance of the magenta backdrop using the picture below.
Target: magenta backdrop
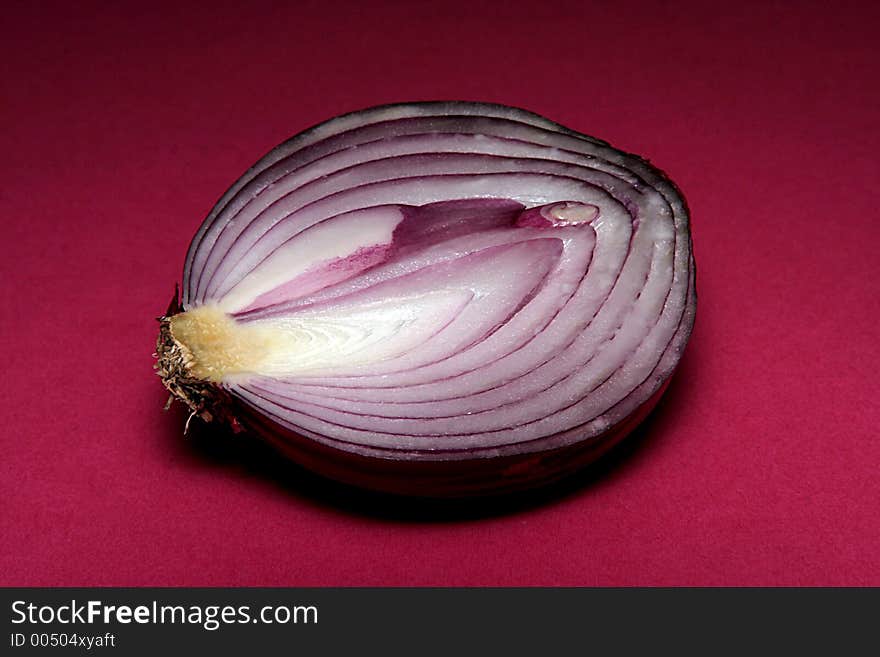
(122, 125)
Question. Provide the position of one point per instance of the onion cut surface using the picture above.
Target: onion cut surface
(436, 298)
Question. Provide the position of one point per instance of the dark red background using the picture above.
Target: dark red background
(122, 125)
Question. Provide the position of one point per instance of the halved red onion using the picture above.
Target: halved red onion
(436, 299)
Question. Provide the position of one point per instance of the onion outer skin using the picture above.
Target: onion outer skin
(424, 472)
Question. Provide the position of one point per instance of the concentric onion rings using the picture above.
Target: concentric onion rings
(471, 298)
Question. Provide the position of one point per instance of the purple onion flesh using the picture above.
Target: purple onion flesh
(438, 299)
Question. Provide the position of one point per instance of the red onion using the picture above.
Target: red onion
(435, 298)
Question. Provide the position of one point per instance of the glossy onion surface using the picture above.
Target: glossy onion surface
(447, 298)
